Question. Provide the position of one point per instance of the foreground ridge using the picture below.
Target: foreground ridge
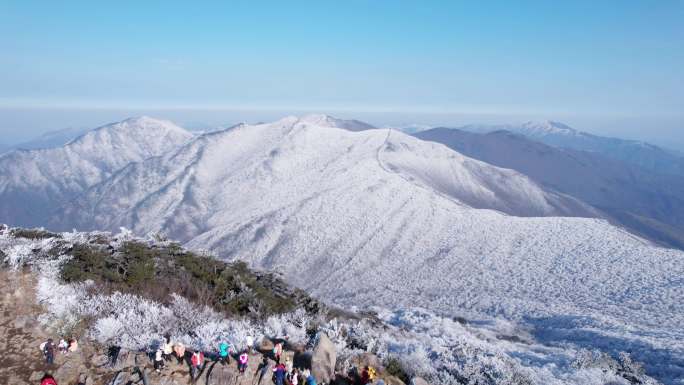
(113, 294)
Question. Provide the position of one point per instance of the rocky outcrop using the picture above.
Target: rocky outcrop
(323, 359)
(367, 359)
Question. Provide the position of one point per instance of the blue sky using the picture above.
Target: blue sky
(583, 61)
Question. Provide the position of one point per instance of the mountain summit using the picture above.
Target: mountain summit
(34, 182)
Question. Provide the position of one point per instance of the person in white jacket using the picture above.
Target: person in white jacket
(250, 343)
(158, 360)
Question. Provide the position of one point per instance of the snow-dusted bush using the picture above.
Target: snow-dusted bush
(292, 327)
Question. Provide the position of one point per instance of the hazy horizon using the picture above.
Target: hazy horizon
(20, 125)
(610, 68)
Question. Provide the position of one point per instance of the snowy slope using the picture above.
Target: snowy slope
(634, 152)
(377, 217)
(33, 183)
(615, 187)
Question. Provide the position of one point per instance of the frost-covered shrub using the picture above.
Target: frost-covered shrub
(291, 326)
(624, 369)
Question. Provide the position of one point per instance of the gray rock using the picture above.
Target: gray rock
(220, 374)
(323, 360)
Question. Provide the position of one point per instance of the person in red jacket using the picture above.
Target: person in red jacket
(48, 380)
(196, 362)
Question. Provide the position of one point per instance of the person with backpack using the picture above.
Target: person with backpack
(63, 346)
(224, 352)
(277, 351)
(73, 345)
(49, 352)
(179, 351)
(196, 363)
(250, 343)
(167, 350)
(288, 366)
(294, 377)
(242, 361)
(279, 374)
(113, 355)
(158, 360)
(371, 374)
(48, 380)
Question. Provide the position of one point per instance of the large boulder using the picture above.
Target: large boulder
(323, 360)
(367, 359)
(265, 346)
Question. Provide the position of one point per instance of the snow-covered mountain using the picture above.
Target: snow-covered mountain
(557, 134)
(378, 217)
(531, 129)
(213, 181)
(645, 202)
(329, 121)
(34, 182)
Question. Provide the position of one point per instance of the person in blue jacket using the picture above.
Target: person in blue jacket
(310, 380)
(279, 374)
(224, 352)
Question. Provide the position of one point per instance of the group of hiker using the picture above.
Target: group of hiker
(284, 373)
(169, 350)
(48, 348)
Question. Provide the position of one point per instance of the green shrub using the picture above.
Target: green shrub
(395, 368)
(156, 272)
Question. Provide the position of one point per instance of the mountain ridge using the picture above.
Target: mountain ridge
(613, 187)
(638, 153)
(380, 218)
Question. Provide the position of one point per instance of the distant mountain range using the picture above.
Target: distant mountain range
(362, 216)
(48, 140)
(641, 154)
(647, 203)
